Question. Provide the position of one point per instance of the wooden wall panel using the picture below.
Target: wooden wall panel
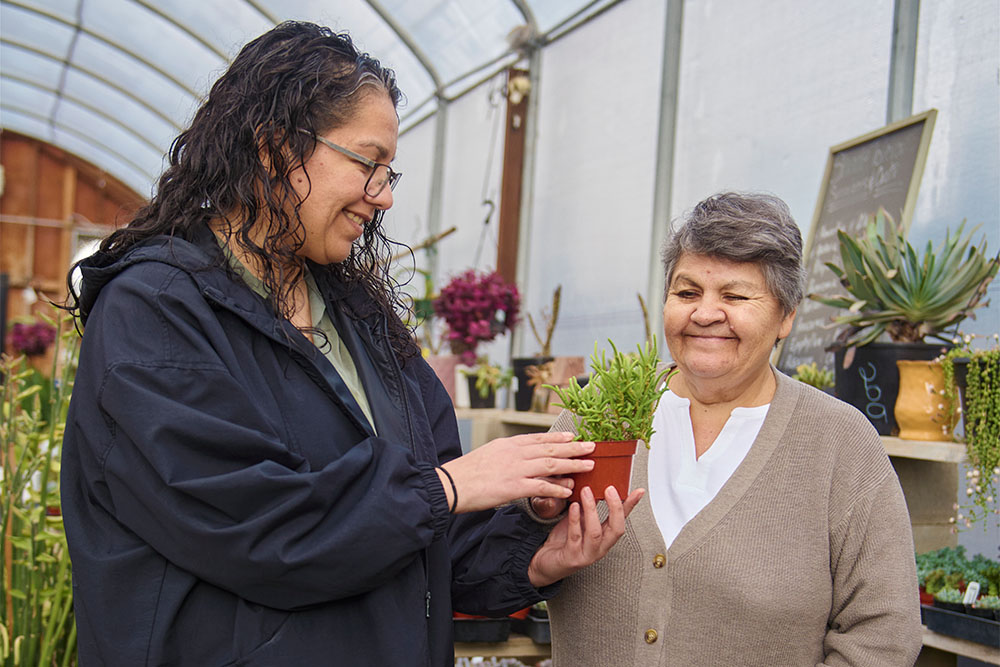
(51, 247)
(48, 196)
(20, 160)
(88, 202)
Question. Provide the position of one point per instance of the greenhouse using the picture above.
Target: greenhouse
(520, 231)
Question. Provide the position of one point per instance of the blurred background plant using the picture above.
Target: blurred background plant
(813, 375)
(31, 337)
(974, 396)
(550, 317)
(489, 377)
(36, 589)
(477, 308)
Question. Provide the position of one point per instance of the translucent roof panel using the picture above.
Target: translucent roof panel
(114, 81)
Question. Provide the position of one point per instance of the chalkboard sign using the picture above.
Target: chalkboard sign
(879, 169)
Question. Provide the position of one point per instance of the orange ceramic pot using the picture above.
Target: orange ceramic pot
(920, 408)
(612, 467)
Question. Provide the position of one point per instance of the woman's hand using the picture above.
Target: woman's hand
(581, 539)
(550, 508)
(521, 466)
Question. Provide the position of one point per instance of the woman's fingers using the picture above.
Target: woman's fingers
(516, 467)
(547, 507)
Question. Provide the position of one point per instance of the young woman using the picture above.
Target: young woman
(259, 467)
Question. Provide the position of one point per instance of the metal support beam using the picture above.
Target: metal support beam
(512, 180)
(902, 60)
(663, 188)
(527, 187)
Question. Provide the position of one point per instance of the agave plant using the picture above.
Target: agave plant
(892, 291)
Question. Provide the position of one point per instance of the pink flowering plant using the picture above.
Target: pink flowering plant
(477, 308)
(31, 339)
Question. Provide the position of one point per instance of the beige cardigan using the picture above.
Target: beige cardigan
(805, 557)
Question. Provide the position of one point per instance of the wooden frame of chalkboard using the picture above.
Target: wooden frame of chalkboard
(881, 169)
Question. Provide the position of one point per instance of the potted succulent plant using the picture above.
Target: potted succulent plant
(814, 376)
(975, 394)
(893, 292)
(615, 410)
(485, 379)
(987, 606)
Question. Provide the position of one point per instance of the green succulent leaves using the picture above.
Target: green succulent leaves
(891, 290)
(618, 401)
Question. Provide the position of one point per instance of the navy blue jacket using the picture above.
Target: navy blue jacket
(227, 503)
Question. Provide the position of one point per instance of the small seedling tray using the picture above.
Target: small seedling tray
(964, 626)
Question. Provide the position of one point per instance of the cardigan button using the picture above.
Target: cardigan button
(659, 560)
(651, 636)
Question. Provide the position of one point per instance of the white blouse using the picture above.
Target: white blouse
(680, 485)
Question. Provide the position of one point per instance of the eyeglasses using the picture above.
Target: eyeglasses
(382, 174)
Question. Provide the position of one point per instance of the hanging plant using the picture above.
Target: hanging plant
(981, 419)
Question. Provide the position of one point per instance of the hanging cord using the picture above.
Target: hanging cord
(496, 94)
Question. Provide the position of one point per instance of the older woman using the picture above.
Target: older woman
(774, 531)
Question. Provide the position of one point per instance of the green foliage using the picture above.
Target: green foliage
(937, 580)
(982, 434)
(891, 291)
(38, 626)
(952, 595)
(619, 400)
(949, 567)
(987, 602)
(813, 375)
(489, 377)
(982, 425)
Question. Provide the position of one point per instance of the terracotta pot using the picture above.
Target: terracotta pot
(444, 366)
(612, 467)
(920, 411)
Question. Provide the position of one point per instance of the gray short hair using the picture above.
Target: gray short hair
(744, 227)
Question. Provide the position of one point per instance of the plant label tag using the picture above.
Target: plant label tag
(971, 593)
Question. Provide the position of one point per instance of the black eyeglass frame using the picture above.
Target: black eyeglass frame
(394, 176)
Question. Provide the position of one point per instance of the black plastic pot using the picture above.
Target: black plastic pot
(871, 382)
(478, 401)
(524, 393)
(482, 629)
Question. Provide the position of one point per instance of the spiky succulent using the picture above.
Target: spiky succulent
(890, 290)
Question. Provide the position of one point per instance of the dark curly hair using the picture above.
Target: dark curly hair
(297, 76)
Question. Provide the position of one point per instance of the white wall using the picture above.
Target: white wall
(593, 189)
(767, 86)
(958, 73)
(957, 68)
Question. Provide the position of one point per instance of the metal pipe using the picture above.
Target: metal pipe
(665, 148)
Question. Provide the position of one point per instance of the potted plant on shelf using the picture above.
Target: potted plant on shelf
(615, 410)
(893, 292)
(477, 307)
(987, 606)
(814, 376)
(977, 398)
(485, 379)
(523, 396)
